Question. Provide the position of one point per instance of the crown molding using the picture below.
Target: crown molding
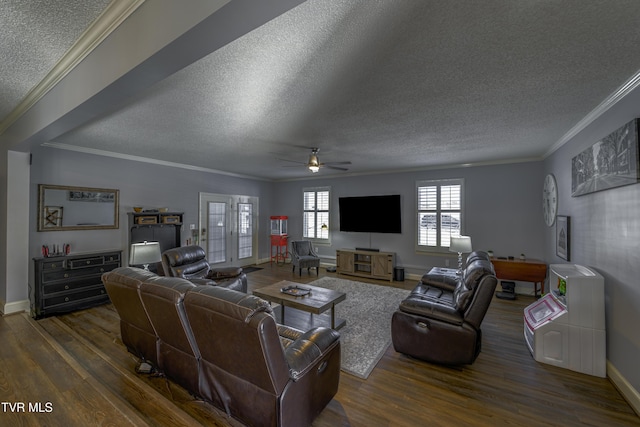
(145, 160)
(604, 106)
(110, 18)
(416, 169)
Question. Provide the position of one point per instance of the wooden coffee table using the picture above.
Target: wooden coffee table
(315, 302)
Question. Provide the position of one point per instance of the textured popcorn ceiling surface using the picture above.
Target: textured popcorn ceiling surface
(388, 85)
(34, 35)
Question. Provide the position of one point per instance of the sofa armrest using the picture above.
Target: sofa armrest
(442, 281)
(308, 348)
(432, 309)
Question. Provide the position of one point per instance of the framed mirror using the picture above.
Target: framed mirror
(76, 208)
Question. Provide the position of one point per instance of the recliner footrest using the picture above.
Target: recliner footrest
(224, 272)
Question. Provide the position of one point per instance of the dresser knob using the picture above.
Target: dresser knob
(66, 275)
(66, 286)
(102, 270)
(53, 266)
(102, 291)
(88, 262)
(66, 299)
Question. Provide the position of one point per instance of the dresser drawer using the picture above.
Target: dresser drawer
(63, 298)
(53, 265)
(84, 262)
(65, 274)
(70, 285)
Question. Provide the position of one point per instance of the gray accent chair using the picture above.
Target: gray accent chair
(303, 256)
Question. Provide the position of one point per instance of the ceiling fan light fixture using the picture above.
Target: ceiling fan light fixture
(314, 164)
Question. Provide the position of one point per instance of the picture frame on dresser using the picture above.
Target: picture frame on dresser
(563, 237)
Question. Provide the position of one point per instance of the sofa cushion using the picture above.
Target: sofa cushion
(434, 309)
(475, 271)
(442, 281)
(462, 297)
(424, 290)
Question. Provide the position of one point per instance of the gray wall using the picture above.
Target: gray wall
(140, 184)
(605, 231)
(503, 206)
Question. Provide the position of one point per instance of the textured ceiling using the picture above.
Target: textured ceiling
(34, 35)
(388, 85)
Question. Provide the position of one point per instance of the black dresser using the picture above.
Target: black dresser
(72, 282)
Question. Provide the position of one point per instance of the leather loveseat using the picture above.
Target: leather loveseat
(440, 320)
(226, 347)
(189, 262)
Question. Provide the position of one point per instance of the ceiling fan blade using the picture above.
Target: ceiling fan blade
(337, 163)
(333, 167)
(293, 161)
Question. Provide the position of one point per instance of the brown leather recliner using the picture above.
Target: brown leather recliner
(136, 330)
(440, 325)
(189, 262)
(260, 372)
(226, 347)
(178, 354)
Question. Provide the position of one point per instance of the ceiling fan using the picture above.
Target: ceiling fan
(314, 164)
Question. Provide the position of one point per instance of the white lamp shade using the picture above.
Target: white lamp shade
(460, 244)
(144, 253)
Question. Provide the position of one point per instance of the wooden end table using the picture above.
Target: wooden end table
(316, 302)
(528, 270)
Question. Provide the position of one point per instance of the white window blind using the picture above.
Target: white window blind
(316, 213)
(439, 213)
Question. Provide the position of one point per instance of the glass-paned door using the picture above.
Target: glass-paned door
(245, 230)
(227, 229)
(217, 235)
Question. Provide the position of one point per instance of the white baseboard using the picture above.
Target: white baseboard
(14, 307)
(631, 395)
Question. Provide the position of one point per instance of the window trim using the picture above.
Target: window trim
(438, 182)
(316, 190)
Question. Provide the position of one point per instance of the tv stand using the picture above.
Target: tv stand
(363, 263)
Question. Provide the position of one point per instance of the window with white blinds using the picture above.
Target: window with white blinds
(439, 213)
(316, 213)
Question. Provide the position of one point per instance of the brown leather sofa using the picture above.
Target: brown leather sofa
(440, 320)
(189, 262)
(226, 347)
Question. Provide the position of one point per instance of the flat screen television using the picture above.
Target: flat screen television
(371, 214)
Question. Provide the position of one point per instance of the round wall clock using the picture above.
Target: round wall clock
(550, 200)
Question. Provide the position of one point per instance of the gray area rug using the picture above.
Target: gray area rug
(367, 310)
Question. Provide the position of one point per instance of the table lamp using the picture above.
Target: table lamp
(144, 254)
(460, 244)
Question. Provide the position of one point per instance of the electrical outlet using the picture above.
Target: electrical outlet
(192, 226)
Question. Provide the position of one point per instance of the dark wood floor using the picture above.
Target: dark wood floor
(76, 368)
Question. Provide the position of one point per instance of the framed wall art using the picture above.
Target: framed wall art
(52, 217)
(610, 162)
(563, 238)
